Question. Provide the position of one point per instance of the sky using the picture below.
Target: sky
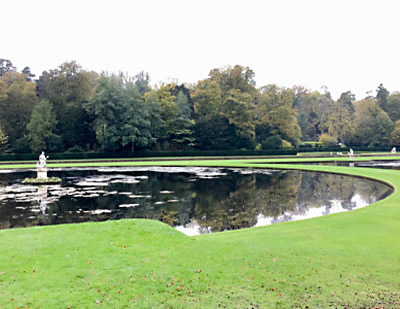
(345, 45)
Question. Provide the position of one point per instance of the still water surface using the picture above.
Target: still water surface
(385, 164)
(194, 200)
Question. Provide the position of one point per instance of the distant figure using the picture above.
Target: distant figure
(394, 150)
(351, 152)
(42, 160)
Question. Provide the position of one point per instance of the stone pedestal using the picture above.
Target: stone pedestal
(41, 172)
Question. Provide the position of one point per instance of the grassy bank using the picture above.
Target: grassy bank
(348, 259)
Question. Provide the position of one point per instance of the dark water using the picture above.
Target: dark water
(194, 200)
(395, 165)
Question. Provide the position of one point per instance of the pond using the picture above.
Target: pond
(194, 200)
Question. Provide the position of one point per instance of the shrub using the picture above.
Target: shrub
(286, 144)
(272, 142)
(327, 141)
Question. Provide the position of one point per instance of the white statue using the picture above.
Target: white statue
(42, 160)
(394, 150)
(351, 154)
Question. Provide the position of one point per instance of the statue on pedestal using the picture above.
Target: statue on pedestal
(351, 154)
(41, 166)
(41, 170)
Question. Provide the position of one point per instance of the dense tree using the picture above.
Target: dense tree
(3, 140)
(154, 112)
(177, 117)
(372, 125)
(395, 135)
(238, 95)
(136, 122)
(224, 111)
(212, 130)
(17, 99)
(364, 112)
(313, 112)
(237, 107)
(3, 90)
(238, 77)
(207, 98)
(340, 122)
(41, 126)
(107, 107)
(169, 111)
(183, 135)
(276, 116)
(121, 116)
(393, 106)
(381, 127)
(68, 88)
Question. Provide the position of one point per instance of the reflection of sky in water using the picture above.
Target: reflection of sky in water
(195, 200)
(334, 207)
(192, 229)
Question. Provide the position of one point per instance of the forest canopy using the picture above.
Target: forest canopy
(72, 109)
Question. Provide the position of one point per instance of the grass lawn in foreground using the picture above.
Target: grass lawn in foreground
(349, 259)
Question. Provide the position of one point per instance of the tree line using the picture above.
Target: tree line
(72, 109)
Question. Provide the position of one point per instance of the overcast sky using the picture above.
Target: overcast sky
(345, 45)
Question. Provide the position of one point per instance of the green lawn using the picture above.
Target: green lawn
(346, 260)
